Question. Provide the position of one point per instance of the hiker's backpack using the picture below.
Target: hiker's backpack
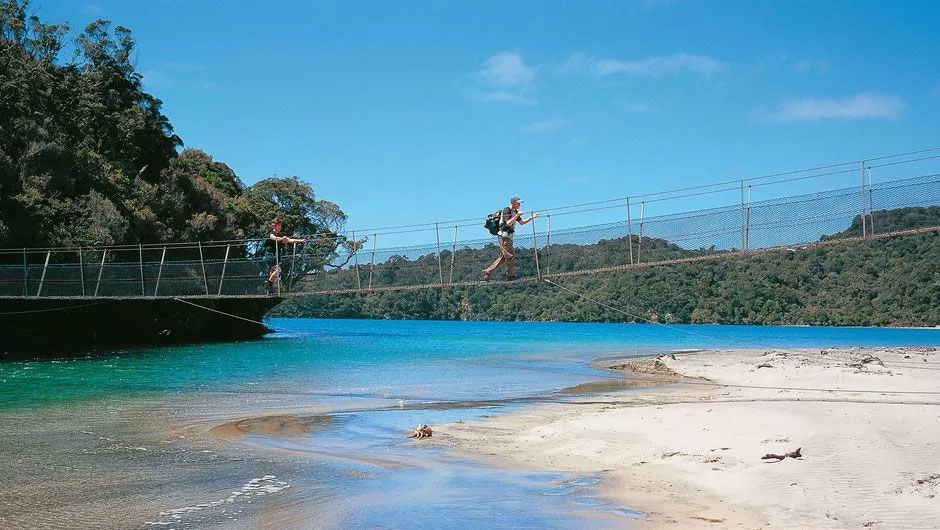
(493, 221)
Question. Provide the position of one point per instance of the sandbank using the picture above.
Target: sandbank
(688, 453)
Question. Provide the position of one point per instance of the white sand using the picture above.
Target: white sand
(690, 455)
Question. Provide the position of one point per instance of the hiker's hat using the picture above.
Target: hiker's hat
(515, 198)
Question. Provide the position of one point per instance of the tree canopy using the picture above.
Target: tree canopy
(87, 156)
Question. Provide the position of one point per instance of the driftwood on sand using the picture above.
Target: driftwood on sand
(791, 454)
(421, 431)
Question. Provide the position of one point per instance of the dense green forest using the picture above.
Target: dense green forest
(88, 158)
(884, 282)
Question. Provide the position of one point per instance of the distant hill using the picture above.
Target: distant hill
(887, 282)
(893, 221)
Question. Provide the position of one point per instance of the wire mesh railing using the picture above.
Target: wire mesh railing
(174, 270)
(638, 239)
(631, 237)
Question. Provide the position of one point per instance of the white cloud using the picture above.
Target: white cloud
(543, 126)
(504, 77)
(653, 66)
(859, 106)
(506, 69)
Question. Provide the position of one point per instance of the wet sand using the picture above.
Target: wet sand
(867, 421)
(284, 425)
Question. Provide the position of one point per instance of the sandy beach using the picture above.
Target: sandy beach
(689, 454)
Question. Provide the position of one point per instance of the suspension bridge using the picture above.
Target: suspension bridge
(229, 276)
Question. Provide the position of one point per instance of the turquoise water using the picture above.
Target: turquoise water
(120, 438)
(415, 359)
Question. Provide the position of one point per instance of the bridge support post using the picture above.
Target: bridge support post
(871, 206)
(629, 231)
(140, 250)
(453, 255)
(290, 273)
(356, 257)
(372, 263)
(535, 248)
(863, 214)
(440, 269)
(548, 242)
(639, 240)
(43, 277)
(277, 261)
(81, 269)
(159, 272)
(104, 254)
(743, 236)
(224, 264)
(747, 222)
(205, 279)
(25, 275)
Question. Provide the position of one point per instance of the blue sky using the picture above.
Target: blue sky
(412, 112)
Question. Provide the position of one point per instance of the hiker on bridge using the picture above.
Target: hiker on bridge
(508, 217)
(275, 238)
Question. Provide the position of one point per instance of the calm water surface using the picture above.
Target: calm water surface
(121, 439)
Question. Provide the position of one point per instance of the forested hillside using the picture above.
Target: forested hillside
(884, 282)
(87, 156)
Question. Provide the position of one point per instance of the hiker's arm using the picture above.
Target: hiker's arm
(524, 221)
(512, 220)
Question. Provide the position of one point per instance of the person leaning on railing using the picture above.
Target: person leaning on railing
(275, 238)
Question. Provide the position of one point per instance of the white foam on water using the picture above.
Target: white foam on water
(256, 487)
